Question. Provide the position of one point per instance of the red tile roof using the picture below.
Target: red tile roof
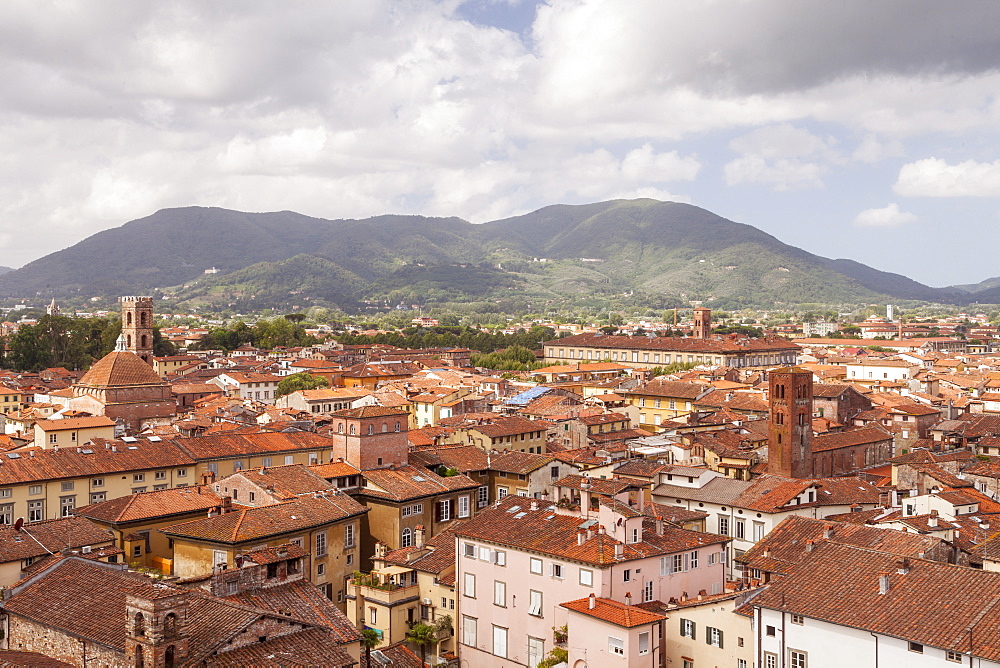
(120, 368)
(612, 611)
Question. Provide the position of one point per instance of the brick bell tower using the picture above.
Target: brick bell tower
(137, 326)
(789, 442)
(702, 323)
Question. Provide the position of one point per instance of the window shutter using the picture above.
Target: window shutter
(708, 635)
(719, 631)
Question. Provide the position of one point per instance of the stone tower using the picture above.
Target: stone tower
(789, 443)
(137, 326)
(156, 634)
(703, 323)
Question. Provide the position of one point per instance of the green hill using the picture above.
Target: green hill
(656, 253)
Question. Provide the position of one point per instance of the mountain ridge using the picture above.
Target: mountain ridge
(660, 251)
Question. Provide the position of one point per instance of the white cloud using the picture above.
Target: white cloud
(933, 177)
(782, 156)
(889, 216)
(872, 150)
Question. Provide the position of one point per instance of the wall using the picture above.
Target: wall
(28, 636)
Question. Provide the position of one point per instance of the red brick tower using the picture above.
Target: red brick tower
(137, 326)
(702, 323)
(371, 437)
(789, 443)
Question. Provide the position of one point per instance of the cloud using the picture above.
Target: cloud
(889, 216)
(782, 156)
(872, 150)
(933, 177)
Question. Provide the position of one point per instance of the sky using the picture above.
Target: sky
(851, 128)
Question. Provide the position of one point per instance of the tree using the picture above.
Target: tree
(422, 635)
(299, 381)
(295, 317)
(369, 640)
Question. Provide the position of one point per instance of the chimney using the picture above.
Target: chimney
(767, 554)
(810, 544)
(659, 525)
(592, 601)
(227, 504)
(533, 505)
(932, 521)
(883, 582)
(828, 531)
(590, 532)
(619, 550)
(418, 536)
(628, 598)
(903, 566)
(581, 537)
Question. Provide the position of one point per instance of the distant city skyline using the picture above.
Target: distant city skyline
(855, 129)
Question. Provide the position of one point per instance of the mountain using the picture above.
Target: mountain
(650, 252)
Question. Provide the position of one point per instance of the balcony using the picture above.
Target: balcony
(388, 586)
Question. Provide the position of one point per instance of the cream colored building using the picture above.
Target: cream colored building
(71, 432)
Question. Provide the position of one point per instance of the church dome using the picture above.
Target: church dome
(119, 368)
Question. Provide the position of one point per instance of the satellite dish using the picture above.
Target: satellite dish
(18, 524)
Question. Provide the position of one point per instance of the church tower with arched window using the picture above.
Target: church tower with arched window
(156, 628)
(137, 326)
(789, 443)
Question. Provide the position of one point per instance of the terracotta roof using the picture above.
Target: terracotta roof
(303, 600)
(512, 522)
(461, 457)
(149, 505)
(612, 611)
(770, 493)
(670, 343)
(10, 658)
(248, 524)
(940, 605)
(335, 469)
(228, 445)
(786, 544)
(409, 482)
(120, 368)
(847, 439)
(370, 412)
(523, 463)
(603, 486)
(66, 424)
(96, 458)
(71, 532)
(284, 482)
(670, 388)
(641, 468)
(439, 553)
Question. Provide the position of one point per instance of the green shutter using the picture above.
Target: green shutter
(720, 638)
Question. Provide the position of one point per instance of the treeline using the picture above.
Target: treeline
(285, 331)
(71, 343)
(454, 337)
(515, 358)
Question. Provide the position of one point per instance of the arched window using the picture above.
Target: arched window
(168, 657)
(143, 341)
(352, 430)
(128, 340)
(385, 427)
(170, 624)
(128, 318)
(140, 658)
(140, 624)
(340, 428)
(407, 540)
(397, 426)
(143, 320)
(371, 429)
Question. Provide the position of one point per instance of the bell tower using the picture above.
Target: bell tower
(789, 442)
(702, 323)
(137, 326)
(156, 629)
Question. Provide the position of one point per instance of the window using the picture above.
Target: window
(407, 538)
(633, 536)
(586, 577)
(769, 631)
(741, 529)
(138, 477)
(536, 651)
(213, 467)
(463, 506)
(693, 560)
(741, 663)
(915, 647)
(758, 531)
(34, 489)
(182, 473)
(502, 492)
(444, 510)
(98, 497)
(484, 554)
(36, 511)
(289, 459)
(160, 475)
(138, 490)
(797, 659)
(66, 505)
(770, 660)
(348, 535)
(713, 636)
(535, 603)
(644, 643)
(647, 592)
(535, 566)
(67, 486)
(627, 575)
(321, 544)
(616, 646)
(500, 641)
(7, 514)
(687, 628)
(53, 438)
(557, 571)
(320, 569)
(500, 593)
(469, 588)
(500, 558)
(372, 616)
(483, 496)
(797, 619)
(469, 630)
(952, 655)
(469, 550)
(723, 525)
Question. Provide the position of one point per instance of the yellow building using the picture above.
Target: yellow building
(71, 432)
(325, 525)
(662, 399)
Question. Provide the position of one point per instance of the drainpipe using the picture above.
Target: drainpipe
(876, 648)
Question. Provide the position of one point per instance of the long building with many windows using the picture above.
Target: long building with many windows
(653, 351)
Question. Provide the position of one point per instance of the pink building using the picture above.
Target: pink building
(520, 560)
(609, 633)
